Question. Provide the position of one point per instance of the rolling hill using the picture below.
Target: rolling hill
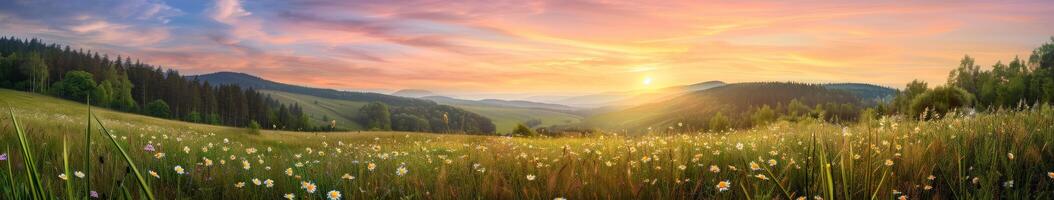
(733, 100)
(343, 106)
(629, 98)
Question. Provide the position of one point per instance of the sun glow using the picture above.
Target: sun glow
(647, 81)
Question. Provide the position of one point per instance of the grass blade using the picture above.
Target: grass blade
(36, 188)
(66, 167)
(138, 176)
(87, 153)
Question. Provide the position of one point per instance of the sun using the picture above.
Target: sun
(647, 80)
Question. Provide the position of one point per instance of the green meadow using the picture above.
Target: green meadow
(1003, 154)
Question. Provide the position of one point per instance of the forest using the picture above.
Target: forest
(132, 86)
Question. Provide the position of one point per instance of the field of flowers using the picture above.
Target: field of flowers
(984, 156)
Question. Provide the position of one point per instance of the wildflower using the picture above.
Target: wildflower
(902, 197)
(401, 171)
(762, 177)
(186, 149)
(179, 169)
(754, 166)
(159, 155)
(371, 166)
(93, 194)
(290, 196)
(239, 184)
(889, 162)
(289, 171)
(207, 161)
(1008, 184)
(931, 177)
(246, 165)
(559, 198)
(1010, 156)
(257, 181)
(269, 183)
(682, 167)
(62, 176)
(976, 180)
(154, 174)
(310, 187)
(1050, 174)
(609, 163)
(530, 177)
(723, 185)
(348, 177)
(927, 187)
(149, 148)
(772, 162)
(333, 195)
(3, 157)
(78, 174)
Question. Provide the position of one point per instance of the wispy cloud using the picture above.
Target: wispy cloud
(545, 45)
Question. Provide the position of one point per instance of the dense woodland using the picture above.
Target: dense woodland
(131, 86)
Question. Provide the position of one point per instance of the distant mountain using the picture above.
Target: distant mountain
(733, 100)
(498, 103)
(414, 93)
(633, 97)
(443, 118)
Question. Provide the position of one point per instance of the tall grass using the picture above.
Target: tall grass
(809, 159)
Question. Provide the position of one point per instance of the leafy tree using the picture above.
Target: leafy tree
(375, 116)
(939, 101)
(719, 122)
(77, 86)
(407, 122)
(37, 71)
(158, 108)
(103, 95)
(522, 130)
(763, 115)
(902, 102)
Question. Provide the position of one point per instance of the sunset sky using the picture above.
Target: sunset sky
(548, 46)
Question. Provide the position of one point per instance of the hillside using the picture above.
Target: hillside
(865, 91)
(413, 93)
(318, 108)
(630, 98)
(732, 100)
(441, 118)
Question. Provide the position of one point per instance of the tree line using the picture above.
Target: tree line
(429, 117)
(1015, 85)
(121, 84)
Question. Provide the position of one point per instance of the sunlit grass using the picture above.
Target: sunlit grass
(986, 156)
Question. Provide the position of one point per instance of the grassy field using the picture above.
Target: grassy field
(504, 118)
(988, 156)
(317, 107)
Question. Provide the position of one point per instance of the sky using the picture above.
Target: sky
(544, 46)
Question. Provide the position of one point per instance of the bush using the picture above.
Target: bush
(254, 127)
(158, 108)
(522, 130)
(939, 101)
(77, 86)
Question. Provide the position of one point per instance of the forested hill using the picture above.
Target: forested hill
(121, 84)
(735, 105)
(406, 114)
(250, 81)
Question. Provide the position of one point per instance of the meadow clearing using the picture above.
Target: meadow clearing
(985, 156)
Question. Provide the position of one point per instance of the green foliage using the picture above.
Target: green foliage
(902, 103)
(532, 123)
(939, 101)
(77, 86)
(36, 70)
(719, 122)
(103, 95)
(522, 130)
(763, 115)
(375, 116)
(254, 127)
(406, 122)
(158, 108)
